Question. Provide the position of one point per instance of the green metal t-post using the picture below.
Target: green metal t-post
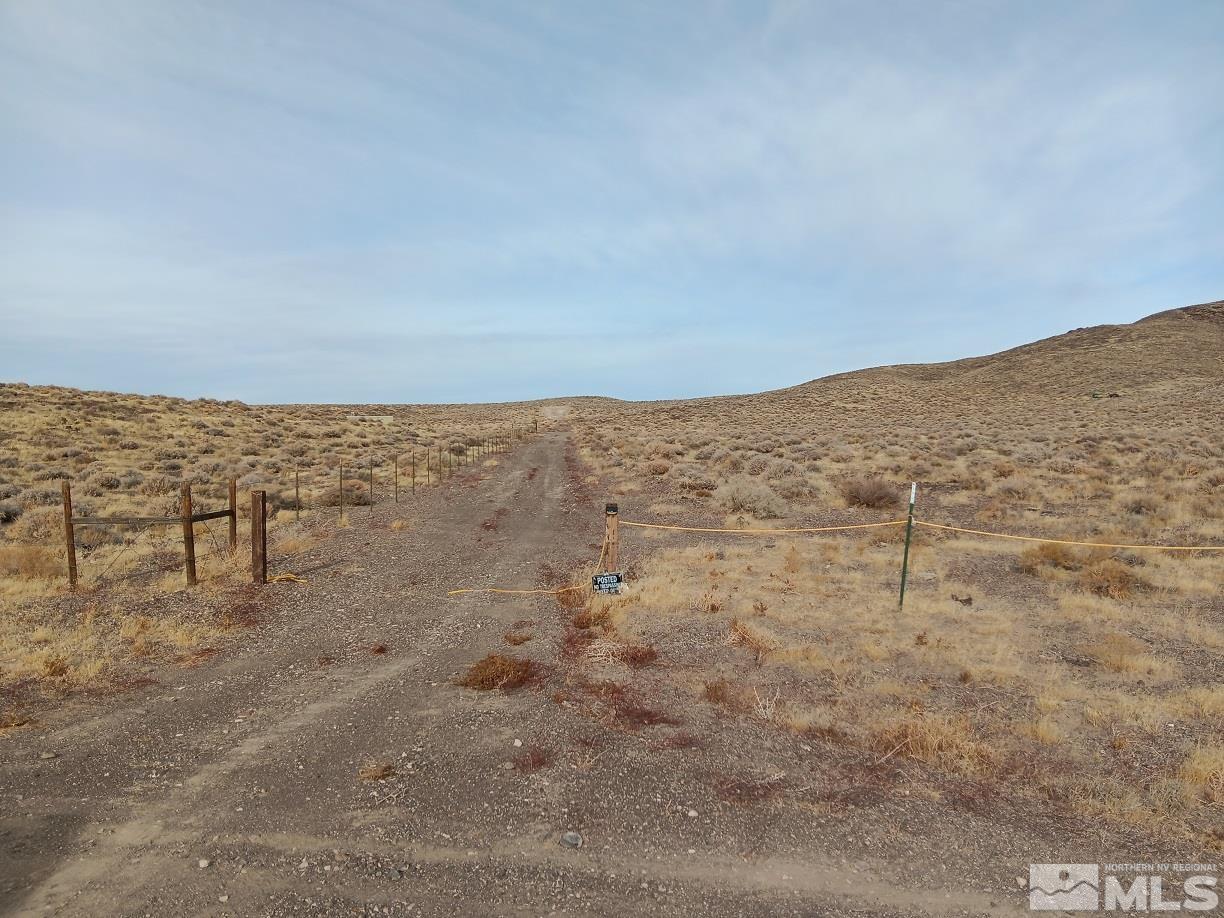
(909, 531)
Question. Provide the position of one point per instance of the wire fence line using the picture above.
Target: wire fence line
(343, 487)
(613, 522)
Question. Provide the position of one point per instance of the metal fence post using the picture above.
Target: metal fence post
(259, 536)
(909, 530)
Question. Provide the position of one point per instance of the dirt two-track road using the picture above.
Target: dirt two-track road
(232, 788)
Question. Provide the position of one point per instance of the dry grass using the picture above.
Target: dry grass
(967, 688)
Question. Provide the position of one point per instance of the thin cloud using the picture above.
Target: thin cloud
(667, 201)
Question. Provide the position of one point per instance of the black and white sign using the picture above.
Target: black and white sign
(607, 583)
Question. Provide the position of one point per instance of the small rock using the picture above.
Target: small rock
(571, 840)
(692, 814)
(518, 743)
(204, 862)
(222, 898)
(1021, 882)
(48, 755)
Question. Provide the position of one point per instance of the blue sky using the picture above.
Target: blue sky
(411, 201)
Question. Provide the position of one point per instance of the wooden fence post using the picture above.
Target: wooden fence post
(233, 515)
(188, 534)
(69, 533)
(611, 538)
(427, 466)
(396, 459)
(371, 487)
(259, 536)
(414, 470)
(341, 492)
(297, 494)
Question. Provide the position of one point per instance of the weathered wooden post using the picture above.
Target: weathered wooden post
(233, 515)
(371, 487)
(259, 536)
(297, 494)
(341, 492)
(414, 470)
(188, 533)
(611, 538)
(69, 533)
(396, 459)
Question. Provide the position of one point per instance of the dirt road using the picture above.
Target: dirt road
(233, 788)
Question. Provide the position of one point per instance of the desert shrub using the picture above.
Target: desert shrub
(730, 461)
(697, 482)
(1047, 554)
(783, 468)
(40, 524)
(658, 467)
(869, 492)
(798, 488)
(757, 465)
(156, 485)
(356, 494)
(743, 495)
(51, 474)
(9, 510)
(39, 497)
(1141, 504)
(1111, 578)
(101, 481)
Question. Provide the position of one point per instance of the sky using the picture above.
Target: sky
(400, 201)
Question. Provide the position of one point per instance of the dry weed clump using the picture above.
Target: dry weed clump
(376, 771)
(744, 495)
(1202, 775)
(948, 743)
(875, 493)
(497, 671)
(532, 759)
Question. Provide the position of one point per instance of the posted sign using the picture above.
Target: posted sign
(607, 583)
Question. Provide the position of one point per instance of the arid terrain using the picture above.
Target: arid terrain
(753, 727)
